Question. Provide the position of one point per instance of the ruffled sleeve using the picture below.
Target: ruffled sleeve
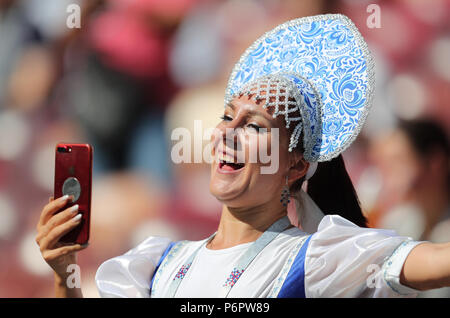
(130, 274)
(344, 260)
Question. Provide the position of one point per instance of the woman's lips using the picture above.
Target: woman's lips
(227, 167)
(227, 161)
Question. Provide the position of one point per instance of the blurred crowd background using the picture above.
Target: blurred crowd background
(137, 69)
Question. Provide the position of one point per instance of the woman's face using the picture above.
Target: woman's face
(246, 133)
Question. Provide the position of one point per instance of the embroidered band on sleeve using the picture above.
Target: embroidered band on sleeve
(392, 267)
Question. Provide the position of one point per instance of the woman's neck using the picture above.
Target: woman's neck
(239, 226)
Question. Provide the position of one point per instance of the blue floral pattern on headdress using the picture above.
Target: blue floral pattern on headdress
(327, 52)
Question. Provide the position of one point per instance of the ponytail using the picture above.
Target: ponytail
(333, 191)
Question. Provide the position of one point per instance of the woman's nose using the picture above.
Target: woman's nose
(231, 134)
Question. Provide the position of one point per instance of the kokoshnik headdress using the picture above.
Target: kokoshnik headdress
(324, 64)
(318, 73)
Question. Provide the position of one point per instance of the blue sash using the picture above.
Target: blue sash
(294, 284)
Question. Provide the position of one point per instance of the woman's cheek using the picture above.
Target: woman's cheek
(251, 144)
(269, 153)
(216, 138)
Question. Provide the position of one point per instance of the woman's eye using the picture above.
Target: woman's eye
(254, 127)
(226, 118)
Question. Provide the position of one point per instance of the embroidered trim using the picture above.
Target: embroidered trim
(286, 268)
(182, 271)
(387, 265)
(234, 276)
(172, 253)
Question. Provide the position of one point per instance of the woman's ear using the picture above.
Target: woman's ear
(298, 167)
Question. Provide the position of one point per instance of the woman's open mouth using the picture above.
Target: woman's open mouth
(229, 167)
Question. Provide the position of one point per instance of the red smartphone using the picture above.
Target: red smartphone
(73, 176)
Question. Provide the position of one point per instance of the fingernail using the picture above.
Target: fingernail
(74, 208)
(64, 197)
(77, 217)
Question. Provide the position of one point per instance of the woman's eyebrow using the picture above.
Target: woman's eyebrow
(230, 104)
(250, 112)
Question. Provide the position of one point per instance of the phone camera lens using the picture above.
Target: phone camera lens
(64, 149)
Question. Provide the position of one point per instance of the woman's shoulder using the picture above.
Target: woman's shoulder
(150, 245)
(287, 243)
(336, 225)
(342, 254)
(337, 235)
(333, 225)
(292, 235)
(127, 275)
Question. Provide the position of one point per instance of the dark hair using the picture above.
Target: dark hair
(426, 137)
(332, 190)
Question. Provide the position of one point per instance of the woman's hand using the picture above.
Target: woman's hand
(51, 227)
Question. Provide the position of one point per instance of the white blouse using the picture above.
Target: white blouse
(340, 260)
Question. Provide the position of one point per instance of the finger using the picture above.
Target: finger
(52, 208)
(50, 199)
(49, 241)
(64, 250)
(56, 220)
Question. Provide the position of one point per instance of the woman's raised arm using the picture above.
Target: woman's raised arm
(427, 267)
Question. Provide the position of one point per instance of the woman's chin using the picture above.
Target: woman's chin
(225, 192)
(229, 188)
(222, 194)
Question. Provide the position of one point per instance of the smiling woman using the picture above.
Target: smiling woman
(256, 251)
(243, 187)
